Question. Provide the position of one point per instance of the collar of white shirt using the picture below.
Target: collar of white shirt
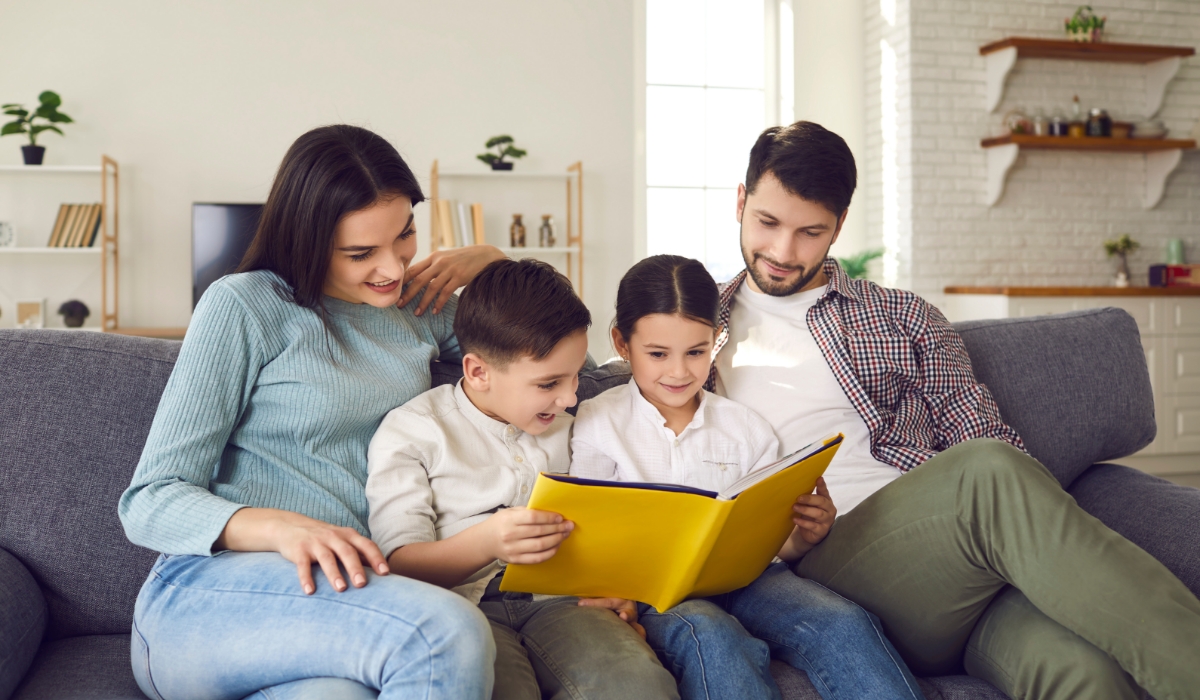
(644, 408)
(481, 420)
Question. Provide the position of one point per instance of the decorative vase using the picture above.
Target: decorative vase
(74, 312)
(1122, 272)
(501, 165)
(516, 232)
(33, 154)
(546, 237)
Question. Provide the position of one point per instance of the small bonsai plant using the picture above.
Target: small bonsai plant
(855, 266)
(1084, 26)
(1121, 248)
(24, 123)
(504, 148)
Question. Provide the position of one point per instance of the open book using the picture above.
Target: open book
(662, 543)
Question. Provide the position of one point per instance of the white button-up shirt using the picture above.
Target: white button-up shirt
(619, 435)
(438, 465)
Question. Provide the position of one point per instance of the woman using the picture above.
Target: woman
(255, 465)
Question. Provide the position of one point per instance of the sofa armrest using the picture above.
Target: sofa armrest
(22, 622)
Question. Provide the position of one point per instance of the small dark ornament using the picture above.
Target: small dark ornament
(73, 313)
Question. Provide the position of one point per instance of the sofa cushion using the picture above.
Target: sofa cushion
(96, 667)
(1074, 386)
(77, 408)
(22, 621)
(1156, 515)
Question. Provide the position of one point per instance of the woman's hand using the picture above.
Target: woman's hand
(303, 541)
(813, 515)
(443, 273)
(625, 609)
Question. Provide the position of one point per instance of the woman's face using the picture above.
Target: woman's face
(372, 248)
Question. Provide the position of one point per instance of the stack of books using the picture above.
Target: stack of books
(456, 224)
(76, 226)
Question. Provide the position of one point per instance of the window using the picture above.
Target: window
(717, 73)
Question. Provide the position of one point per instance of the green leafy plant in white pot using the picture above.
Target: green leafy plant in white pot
(1084, 26)
(25, 123)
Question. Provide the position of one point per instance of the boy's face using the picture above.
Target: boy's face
(528, 393)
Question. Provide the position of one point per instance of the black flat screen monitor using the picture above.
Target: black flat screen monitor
(221, 233)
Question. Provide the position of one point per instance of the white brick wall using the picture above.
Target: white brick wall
(1057, 207)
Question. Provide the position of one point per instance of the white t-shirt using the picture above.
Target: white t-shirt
(773, 364)
(621, 436)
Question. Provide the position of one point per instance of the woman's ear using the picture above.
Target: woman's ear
(620, 345)
(476, 372)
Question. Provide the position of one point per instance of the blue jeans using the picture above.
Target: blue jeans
(721, 647)
(236, 624)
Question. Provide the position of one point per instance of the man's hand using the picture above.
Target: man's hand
(813, 515)
(444, 272)
(625, 609)
(523, 536)
(304, 542)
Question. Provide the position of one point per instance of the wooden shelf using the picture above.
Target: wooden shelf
(537, 249)
(1162, 156)
(1031, 47)
(505, 174)
(1079, 291)
(53, 251)
(50, 168)
(1088, 143)
(1160, 63)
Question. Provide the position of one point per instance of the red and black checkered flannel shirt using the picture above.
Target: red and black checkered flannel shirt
(900, 363)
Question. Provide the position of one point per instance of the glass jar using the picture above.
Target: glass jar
(1041, 125)
(1099, 123)
(546, 238)
(516, 232)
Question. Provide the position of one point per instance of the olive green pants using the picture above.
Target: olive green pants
(979, 559)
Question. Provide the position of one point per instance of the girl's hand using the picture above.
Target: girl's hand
(523, 536)
(304, 541)
(813, 514)
(443, 273)
(625, 609)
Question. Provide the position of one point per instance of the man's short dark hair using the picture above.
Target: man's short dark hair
(515, 309)
(810, 162)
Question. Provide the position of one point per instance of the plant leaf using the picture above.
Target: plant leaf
(17, 127)
(35, 130)
(514, 152)
(498, 141)
(60, 118)
(18, 112)
(49, 98)
(488, 158)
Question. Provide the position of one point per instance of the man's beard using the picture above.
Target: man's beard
(771, 286)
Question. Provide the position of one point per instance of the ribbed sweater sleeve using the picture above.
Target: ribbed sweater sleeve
(168, 506)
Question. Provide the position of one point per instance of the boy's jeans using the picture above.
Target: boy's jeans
(721, 647)
(569, 651)
(227, 626)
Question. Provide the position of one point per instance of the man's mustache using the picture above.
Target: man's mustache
(781, 266)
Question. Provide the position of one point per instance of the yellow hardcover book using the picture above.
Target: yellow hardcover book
(74, 211)
(661, 543)
(58, 224)
(477, 223)
(87, 225)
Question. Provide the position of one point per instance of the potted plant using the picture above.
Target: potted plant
(1121, 248)
(855, 266)
(24, 124)
(504, 147)
(1084, 26)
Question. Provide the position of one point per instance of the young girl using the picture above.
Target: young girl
(664, 427)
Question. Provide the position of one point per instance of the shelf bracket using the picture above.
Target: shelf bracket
(999, 160)
(999, 63)
(1159, 165)
(1158, 74)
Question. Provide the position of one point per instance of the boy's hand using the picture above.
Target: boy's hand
(625, 609)
(813, 515)
(523, 536)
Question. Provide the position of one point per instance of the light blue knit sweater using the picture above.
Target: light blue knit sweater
(257, 413)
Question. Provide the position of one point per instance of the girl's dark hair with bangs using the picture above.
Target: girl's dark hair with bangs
(328, 173)
(666, 284)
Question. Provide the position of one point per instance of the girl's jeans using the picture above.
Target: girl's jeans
(235, 624)
(721, 647)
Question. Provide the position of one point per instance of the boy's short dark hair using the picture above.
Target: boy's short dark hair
(515, 309)
(810, 162)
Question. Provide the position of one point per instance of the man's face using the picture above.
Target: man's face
(785, 238)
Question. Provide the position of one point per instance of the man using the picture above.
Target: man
(977, 557)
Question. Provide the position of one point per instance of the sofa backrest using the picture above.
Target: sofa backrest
(75, 408)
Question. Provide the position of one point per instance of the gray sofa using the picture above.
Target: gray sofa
(75, 409)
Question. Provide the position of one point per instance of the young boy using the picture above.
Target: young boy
(449, 472)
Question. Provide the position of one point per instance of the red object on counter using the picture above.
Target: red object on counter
(1175, 275)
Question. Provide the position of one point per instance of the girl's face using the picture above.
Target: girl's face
(372, 248)
(669, 355)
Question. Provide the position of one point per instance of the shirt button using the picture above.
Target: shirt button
(519, 459)
(510, 430)
(722, 465)
(524, 489)
(677, 442)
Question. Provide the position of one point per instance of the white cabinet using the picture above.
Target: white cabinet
(1170, 330)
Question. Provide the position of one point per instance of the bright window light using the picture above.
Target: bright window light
(889, 125)
(707, 97)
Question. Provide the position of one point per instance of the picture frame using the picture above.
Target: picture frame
(31, 313)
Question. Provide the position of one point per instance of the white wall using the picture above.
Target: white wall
(199, 100)
(1057, 208)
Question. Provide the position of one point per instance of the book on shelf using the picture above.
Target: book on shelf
(76, 226)
(477, 223)
(464, 226)
(446, 223)
(56, 232)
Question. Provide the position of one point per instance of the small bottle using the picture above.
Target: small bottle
(1041, 125)
(1099, 123)
(1058, 124)
(516, 232)
(546, 237)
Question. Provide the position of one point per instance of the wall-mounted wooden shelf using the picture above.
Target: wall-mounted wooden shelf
(1160, 62)
(1079, 291)
(1162, 157)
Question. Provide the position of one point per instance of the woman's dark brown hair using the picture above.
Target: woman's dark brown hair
(328, 173)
